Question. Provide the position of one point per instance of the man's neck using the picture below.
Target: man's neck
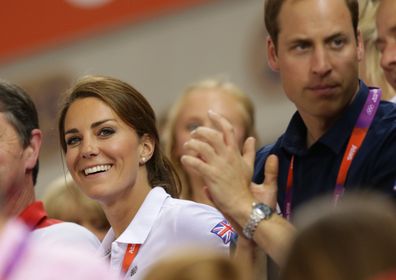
(19, 200)
(316, 128)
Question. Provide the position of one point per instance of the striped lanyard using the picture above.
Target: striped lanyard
(359, 132)
(130, 254)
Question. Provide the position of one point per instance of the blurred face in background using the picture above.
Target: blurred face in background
(386, 42)
(194, 113)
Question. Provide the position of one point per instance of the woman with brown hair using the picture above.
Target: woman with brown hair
(108, 134)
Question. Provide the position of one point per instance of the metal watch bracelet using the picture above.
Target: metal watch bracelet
(259, 212)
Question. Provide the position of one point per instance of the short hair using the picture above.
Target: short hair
(272, 11)
(131, 106)
(355, 240)
(21, 113)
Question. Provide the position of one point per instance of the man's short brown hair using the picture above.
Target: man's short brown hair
(273, 7)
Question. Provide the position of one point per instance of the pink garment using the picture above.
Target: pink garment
(21, 257)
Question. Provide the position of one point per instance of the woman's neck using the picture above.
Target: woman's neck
(122, 210)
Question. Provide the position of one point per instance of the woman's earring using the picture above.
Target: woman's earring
(142, 160)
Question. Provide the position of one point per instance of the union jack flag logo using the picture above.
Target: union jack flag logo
(225, 231)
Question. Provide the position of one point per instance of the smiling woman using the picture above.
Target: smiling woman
(109, 137)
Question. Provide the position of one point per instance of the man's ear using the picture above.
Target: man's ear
(32, 151)
(147, 147)
(272, 55)
(360, 46)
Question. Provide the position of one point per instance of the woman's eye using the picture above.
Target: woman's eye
(192, 126)
(71, 141)
(106, 131)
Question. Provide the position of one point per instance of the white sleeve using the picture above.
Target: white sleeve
(68, 234)
(205, 226)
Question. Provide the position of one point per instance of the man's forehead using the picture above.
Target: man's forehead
(312, 14)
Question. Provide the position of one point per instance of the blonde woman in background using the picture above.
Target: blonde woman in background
(370, 69)
(191, 111)
(64, 201)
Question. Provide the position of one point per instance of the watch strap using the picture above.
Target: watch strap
(259, 212)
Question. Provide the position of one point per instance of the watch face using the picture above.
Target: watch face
(258, 212)
(265, 209)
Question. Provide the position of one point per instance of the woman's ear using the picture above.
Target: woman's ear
(32, 151)
(147, 146)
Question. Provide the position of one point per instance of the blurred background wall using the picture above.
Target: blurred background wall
(158, 46)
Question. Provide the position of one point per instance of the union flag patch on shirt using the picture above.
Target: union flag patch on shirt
(225, 231)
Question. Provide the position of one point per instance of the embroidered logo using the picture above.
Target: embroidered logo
(375, 97)
(370, 109)
(225, 231)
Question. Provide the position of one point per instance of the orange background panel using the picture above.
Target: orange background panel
(30, 25)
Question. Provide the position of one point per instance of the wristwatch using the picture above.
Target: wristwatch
(260, 211)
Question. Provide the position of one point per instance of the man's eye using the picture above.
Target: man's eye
(338, 43)
(380, 47)
(301, 46)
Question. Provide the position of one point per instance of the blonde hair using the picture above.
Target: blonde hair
(195, 266)
(169, 127)
(64, 201)
(374, 75)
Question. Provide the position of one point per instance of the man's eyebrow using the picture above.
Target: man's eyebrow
(298, 40)
(334, 36)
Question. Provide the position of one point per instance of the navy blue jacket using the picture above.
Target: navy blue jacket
(316, 168)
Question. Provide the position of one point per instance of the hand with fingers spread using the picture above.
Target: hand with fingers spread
(227, 175)
(218, 159)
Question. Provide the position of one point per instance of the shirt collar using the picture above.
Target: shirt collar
(141, 225)
(294, 140)
(34, 214)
